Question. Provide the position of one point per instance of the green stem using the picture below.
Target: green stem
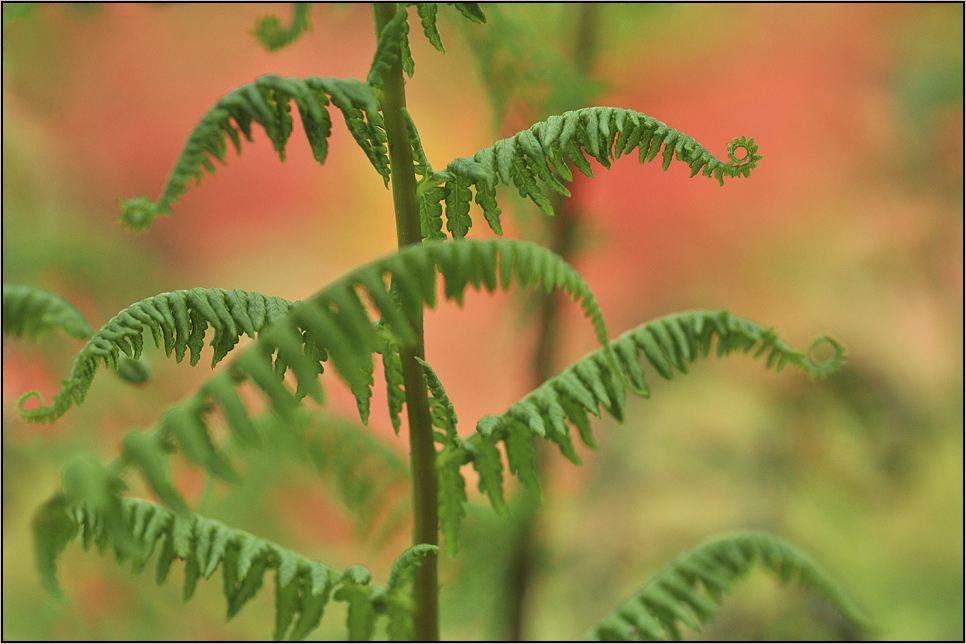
(525, 553)
(422, 450)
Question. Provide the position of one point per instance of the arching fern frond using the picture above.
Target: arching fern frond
(688, 590)
(177, 320)
(266, 102)
(35, 312)
(669, 344)
(273, 36)
(543, 150)
(303, 586)
(338, 324)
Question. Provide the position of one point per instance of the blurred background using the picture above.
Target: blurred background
(853, 225)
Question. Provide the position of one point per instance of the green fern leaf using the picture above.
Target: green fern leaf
(177, 321)
(452, 485)
(669, 344)
(674, 596)
(601, 133)
(53, 530)
(266, 102)
(273, 36)
(35, 312)
(395, 383)
(303, 586)
(427, 16)
(393, 600)
(356, 591)
(471, 11)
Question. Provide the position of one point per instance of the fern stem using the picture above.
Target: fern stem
(422, 449)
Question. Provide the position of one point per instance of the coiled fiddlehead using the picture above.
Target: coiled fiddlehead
(273, 36)
(35, 312)
(266, 102)
(543, 150)
(178, 321)
(674, 596)
(303, 586)
(669, 344)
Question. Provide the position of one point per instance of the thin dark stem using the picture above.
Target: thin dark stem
(524, 559)
(422, 450)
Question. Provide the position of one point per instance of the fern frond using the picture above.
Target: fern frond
(266, 102)
(273, 36)
(669, 344)
(177, 321)
(689, 589)
(35, 312)
(602, 133)
(302, 586)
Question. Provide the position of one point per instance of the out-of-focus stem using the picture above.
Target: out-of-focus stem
(563, 229)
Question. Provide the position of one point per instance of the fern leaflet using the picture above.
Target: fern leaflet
(472, 11)
(452, 486)
(266, 102)
(674, 596)
(35, 312)
(392, 43)
(302, 586)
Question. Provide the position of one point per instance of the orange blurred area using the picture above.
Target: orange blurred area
(852, 225)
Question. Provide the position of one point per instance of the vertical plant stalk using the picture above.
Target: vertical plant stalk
(422, 451)
(564, 226)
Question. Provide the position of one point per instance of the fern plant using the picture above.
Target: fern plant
(378, 309)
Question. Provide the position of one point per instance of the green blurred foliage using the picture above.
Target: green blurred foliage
(855, 228)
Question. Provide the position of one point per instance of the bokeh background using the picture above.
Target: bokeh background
(852, 225)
